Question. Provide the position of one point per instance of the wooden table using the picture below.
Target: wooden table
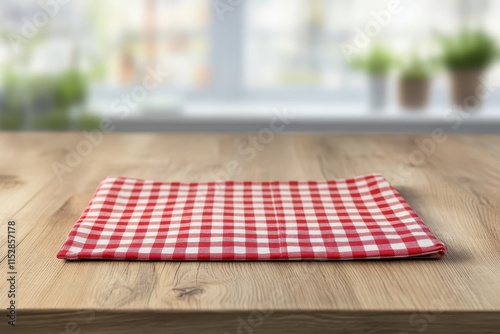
(453, 182)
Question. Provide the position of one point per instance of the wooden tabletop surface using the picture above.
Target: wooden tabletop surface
(453, 182)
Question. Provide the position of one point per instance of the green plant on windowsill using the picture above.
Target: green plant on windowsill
(414, 80)
(377, 63)
(415, 67)
(11, 121)
(12, 102)
(57, 120)
(48, 99)
(88, 121)
(469, 50)
(69, 89)
(467, 56)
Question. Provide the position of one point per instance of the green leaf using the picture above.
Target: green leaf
(470, 49)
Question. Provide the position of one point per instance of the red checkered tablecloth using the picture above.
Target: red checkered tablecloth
(358, 218)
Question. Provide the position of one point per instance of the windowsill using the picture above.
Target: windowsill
(310, 117)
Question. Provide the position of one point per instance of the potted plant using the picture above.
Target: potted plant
(53, 97)
(467, 56)
(377, 63)
(89, 121)
(12, 109)
(414, 82)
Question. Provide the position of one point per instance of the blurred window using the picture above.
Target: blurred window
(257, 48)
(171, 34)
(296, 42)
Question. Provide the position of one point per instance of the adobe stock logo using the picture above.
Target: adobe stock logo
(30, 27)
(221, 7)
(363, 37)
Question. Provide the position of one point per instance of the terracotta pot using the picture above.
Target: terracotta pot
(413, 93)
(465, 89)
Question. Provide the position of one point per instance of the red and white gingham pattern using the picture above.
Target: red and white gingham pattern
(358, 218)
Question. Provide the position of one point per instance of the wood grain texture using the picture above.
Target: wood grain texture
(454, 185)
